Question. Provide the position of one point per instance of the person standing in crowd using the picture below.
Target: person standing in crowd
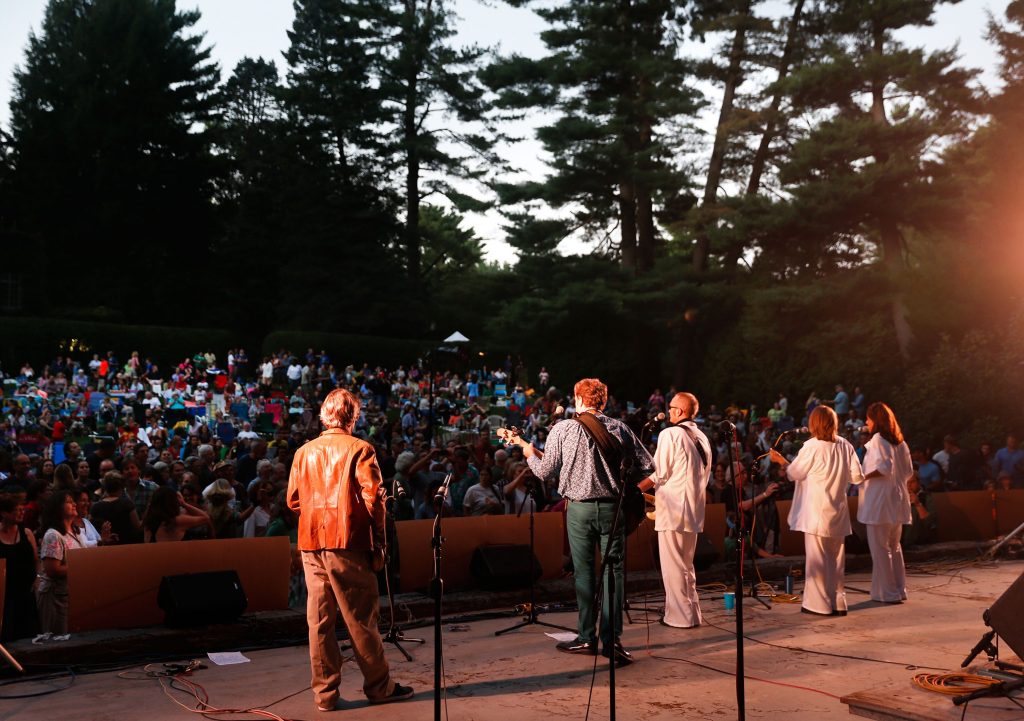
(592, 485)
(885, 503)
(823, 470)
(59, 536)
(169, 517)
(335, 487)
(682, 464)
(17, 547)
(1010, 459)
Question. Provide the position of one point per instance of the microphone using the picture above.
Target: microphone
(442, 492)
(727, 426)
(397, 490)
(555, 416)
(795, 431)
(657, 419)
(863, 429)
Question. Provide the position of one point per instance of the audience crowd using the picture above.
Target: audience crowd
(108, 452)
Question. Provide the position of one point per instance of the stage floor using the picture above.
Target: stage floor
(520, 676)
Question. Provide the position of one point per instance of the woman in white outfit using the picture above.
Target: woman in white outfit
(822, 471)
(884, 505)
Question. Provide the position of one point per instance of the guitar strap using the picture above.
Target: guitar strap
(607, 445)
(696, 444)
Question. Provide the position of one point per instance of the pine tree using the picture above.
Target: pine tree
(111, 146)
(867, 172)
(442, 142)
(615, 79)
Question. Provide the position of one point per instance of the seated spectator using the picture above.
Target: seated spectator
(58, 526)
(483, 499)
(924, 519)
(18, 547)
(284, 521)
(169, 517)
(1004, 482)
(520, 493)
(1010, 459)
(928, 472)
(262, 500)
(227, 521)
(91, 537)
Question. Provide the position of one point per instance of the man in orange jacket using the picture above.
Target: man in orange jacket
(335, 487)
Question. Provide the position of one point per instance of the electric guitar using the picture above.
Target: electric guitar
(513, 437)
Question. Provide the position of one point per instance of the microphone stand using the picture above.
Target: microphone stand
(608, 566)
(437, 589)
(531, 618)
(741, 525)
(395, 635)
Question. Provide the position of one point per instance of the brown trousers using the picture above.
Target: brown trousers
(342, 580)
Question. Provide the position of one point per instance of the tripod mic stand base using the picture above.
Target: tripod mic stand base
(532, 621)
(397, 638)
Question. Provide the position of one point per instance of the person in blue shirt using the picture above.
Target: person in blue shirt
(841, 403)
(1011, 460)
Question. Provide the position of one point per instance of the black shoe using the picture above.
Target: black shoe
(814, 613)
(622, 656)
(585, 647)
(839, 613)
(398, 693)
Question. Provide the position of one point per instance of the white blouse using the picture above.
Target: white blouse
(884, 499)
(823, 471)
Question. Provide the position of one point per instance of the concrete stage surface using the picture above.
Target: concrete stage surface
(520, 676)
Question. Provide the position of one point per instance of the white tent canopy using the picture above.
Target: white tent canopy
(456, 337)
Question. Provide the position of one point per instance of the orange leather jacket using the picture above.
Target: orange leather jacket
(334, 486)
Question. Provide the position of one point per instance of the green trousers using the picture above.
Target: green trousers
(589, 524)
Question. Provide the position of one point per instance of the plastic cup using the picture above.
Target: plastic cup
(730, 601)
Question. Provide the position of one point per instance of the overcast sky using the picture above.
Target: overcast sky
(237, 28)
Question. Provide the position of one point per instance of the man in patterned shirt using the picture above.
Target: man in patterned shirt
(592, 489)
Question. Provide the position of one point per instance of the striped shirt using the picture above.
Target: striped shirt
(572, 456)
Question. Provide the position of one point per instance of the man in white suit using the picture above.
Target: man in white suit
(682, 468)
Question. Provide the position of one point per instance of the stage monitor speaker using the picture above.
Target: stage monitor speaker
(704, 554)
(196, 599)
(1004, 616)
(503, 566)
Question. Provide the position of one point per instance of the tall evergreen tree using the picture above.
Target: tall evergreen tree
(252, 137)
(868, 172)
(441, 144)
(614, 77)
(111, 148)
(337, 214)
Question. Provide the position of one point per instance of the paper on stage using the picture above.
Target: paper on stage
(564, 636)
(228, 658)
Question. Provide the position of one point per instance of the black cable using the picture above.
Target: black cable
(70, 675)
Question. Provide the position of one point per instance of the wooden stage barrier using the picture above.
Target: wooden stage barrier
(116, 586)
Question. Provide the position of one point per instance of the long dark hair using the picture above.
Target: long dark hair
(52, 515)
(163, 509)
(885, 423)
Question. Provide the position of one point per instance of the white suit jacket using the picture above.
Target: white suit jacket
(822, 472)
(681, 479)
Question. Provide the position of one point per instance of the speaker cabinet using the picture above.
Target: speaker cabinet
(503, 567)
(1005, 617)
(196, 599)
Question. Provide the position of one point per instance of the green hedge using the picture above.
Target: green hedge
(41, 339)
(347, 348)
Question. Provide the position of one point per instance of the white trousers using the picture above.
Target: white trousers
(824, 573)
(888, 576)
(682, 605)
